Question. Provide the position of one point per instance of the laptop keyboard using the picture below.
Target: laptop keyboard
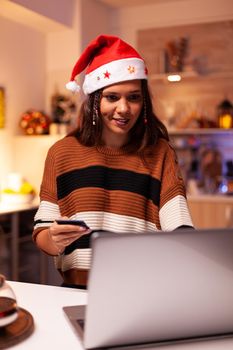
(81, 323)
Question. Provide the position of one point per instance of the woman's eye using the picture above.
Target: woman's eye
(111, 98)
(135, 98)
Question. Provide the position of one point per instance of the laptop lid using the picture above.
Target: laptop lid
(157, 287)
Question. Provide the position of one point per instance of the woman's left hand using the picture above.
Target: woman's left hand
(64, 235)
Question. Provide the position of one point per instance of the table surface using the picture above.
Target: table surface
(11, 208)
(52, 329)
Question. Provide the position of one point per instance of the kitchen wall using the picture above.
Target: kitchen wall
(23, 75)
(59, 11)
(37, 56)
(39, 45)
(166, 14)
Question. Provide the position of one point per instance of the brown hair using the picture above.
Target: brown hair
(142, 134)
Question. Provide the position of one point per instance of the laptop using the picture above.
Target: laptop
(157, 288)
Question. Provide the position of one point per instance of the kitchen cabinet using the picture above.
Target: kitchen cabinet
(211, 211)
(20, 259)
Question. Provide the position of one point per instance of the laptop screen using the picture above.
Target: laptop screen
(157, 287)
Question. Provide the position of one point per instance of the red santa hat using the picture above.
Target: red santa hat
(108, 60)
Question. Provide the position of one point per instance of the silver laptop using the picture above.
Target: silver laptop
(157, 287)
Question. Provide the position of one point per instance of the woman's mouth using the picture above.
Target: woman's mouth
(121, 121)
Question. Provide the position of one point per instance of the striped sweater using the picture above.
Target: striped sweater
(111, 190)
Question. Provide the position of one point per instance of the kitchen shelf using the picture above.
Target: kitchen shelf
(194, 75)
(38, 137)
(200, 131)
(163, 76)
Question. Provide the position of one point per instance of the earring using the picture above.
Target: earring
(95, 110)
(94, 119)
(145, 113)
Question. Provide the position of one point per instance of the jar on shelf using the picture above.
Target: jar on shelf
(229, 176)
(225, 114)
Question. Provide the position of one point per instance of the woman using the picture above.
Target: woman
(116, 171)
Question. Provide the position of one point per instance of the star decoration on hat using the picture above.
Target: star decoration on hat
(107, 74)
(131, 69)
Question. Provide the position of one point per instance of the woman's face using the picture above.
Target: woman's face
(120, 107)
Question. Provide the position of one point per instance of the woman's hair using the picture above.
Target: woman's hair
(146, 132)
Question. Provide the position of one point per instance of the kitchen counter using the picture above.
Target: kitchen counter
(222, 198)
(53, 331)
(9, 208)
(211, 210)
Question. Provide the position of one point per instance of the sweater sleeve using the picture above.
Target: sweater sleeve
(173, 211)
(172, 183)
(48, 190)
(48, 209)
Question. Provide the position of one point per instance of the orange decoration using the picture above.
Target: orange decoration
(35, 122)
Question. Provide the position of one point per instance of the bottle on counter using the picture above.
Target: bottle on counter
(229, 176)
(226, 185)
(193, 178)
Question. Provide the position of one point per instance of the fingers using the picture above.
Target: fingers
(59, 242)
(63, 235)
(62, 232)
(68, 227)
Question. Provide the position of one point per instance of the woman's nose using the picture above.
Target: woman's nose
(122, 106)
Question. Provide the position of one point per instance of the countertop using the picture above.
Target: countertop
(53, 331)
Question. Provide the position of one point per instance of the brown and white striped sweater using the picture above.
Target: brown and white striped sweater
(111, 190)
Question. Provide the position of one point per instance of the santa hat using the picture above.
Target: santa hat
(108, 60)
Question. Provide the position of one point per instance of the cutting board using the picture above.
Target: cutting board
(18, 330)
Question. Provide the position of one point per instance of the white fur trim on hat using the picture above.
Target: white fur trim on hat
(72, 86)
(114, 72)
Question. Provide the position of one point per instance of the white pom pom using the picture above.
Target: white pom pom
(73, 86)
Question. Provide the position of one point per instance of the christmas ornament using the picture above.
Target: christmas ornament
(34, 122)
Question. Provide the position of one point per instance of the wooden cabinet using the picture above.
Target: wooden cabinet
(211, 211)
(20, 259)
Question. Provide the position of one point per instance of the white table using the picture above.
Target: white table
(52, 330)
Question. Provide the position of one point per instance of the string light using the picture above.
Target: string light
(174, 77)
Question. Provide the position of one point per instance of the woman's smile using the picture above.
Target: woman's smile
(120, 107)
(120, 122)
